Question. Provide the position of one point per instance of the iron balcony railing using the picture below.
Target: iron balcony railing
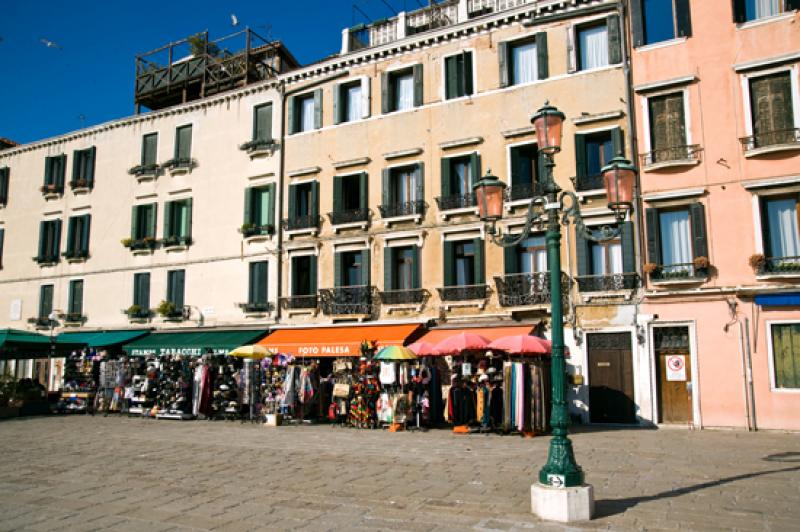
(305, 221)
(456, 201)
(145, 242)
(76, 254)
(179, 163)
(588, 182)
(51, 188)
(176, 240)
(401, 297)
(144, 170)
(257, 230)
(476, 8)
(46, 258)
(258, 145)
(778, 265)
(407, 208)
(526, 289)
(783, 137)
(524, 191)
(678, 271)
(346, 300)
(74, 317)
(463, 292)
(607, 282)
(256, 307)
(300, 302)
(135, 312)
(349, 217)
(79, 183)
(673, 154)
(41, 322)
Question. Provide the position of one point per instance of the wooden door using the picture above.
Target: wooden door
(610, 378)
(674, 386)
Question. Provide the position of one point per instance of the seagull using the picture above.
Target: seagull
(50, 44)
(234, 20)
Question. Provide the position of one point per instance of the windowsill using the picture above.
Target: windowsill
(777, 276)
(402, 111)
(256, 314)
(355, 225)
(594, 193)
(176, 248)
(301, 133)
(302, 312)
(596, 69)
(143, 178)
(765, 20)
(257, 238)
(51, 196)
(511, 205)
(76, 260)
(72, 324)
(350, 317)
(138, 320)
(790, 391)
(181, 170)
(262, 152)
(678, 282)
(172, 319)
(81, 190)
(313, 231)
(480, 303)
(771, 149)
(399, 307)
(47, 264)
(465, 98)
(671, 164)
(663, 44)
(457, 212)
(142, 252)
(607, 294)
(415, 218)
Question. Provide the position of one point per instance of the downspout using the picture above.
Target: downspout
(745, 374)
(749, 365)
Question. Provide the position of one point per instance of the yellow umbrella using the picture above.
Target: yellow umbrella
(250, 351)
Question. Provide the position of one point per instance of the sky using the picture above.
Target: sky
(47, 91)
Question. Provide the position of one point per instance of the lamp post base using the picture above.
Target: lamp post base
(562, 504)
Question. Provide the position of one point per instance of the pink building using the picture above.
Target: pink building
(717, 109)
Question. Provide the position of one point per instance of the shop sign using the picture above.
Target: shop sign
(676, 368)
(318, 350)
(172, 351)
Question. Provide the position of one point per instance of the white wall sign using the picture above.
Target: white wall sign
(15, 311)
(676, 368)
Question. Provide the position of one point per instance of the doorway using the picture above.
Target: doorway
(610, 361)
(673, 374)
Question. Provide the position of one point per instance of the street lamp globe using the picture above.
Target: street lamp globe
(619, 176)
(547, 122)
(489, 192)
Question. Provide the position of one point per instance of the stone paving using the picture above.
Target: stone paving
(84, 473)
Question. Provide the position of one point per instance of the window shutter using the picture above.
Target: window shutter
(445, 177)
(144, 287)
(149, 148)
(467, 74)
(317, 108)
(292, 201)
(683, 18)
(90, 162)
(418, 85)
(152, 212)
(248, 206)
(291, 124)
(627, 239)
(771, 98)
(75, 305)
(315, 198)
(475, 168)
(42, 233)
(653, 236)
(449, 273)
(337, 106)
(180, 288)
(516, 170)
(480, 266)
(76, 165)
(363, 200)
(510, 262)
(61, 165)
(614, 40)
(187, 230)
(580, 156)
(48, 171)
(338, 193)
(271, 204)
(420, 182)
(451, 77)
(583, 255)
(134, 222)
(2, 237)
(337, 269)
(71, 241)
(386, 192)
(388, 268)
(792, 4)
(312, 275)
(617, 142)
(386, 93)
(366, 97)
(541, 55)
(183, 142)
(252, 288)
(85, 229)
(697, 213)
(168, 208)
(541, 168)
(572, 54)
(637, 22)
(502, 61)
(365, 269)
(676, 125)
(4, 179)
(415, 267)
(739, 11)
(56, 245)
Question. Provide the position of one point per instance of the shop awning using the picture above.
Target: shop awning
(336, 341)
(434, 336)
(779, 300)
(15, 343)
(102, 338)
(191, 343)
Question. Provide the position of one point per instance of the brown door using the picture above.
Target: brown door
(610, 378)
(674, 386)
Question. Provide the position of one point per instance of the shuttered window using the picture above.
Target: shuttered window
(83, 162)
(353, 268)
(786, 355)
(401, 266)
(259, 209)
(257, 291)
(747, 10)
(2, 239)
(772, 110)
(178, 220)
(78, 236)
(675, 237)
(262, 122)
(54, 173)
(5, 177)
(49, 241)
(175, 287)
(656, 21)
(305, 112)
(183, 143)
(402, 89)
(149, 149)
(45, 300)
(464, 263)
(141, 290)
(667, 126)
(458, 75)
(593, 47)
(143, 221)
(524, 171)
(779, 221)
(75, 299)
(304, 275)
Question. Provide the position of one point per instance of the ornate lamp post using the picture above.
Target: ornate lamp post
(556, 208)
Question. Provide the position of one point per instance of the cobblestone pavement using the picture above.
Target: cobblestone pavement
(83, 473)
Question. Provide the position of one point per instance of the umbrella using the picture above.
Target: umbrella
(522, 344)
(395, 352)
(250, 351)
(423, 349)
(461, 342)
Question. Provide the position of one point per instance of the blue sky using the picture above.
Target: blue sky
(45, 91)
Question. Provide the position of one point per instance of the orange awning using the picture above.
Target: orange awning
(434, 336)
(335, 341)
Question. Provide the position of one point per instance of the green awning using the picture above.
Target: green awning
(192, 343)
(102, 338)
(15, 343)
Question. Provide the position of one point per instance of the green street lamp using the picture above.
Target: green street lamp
(556, 208)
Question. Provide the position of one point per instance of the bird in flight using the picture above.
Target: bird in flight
(234, 20)
(50, 44)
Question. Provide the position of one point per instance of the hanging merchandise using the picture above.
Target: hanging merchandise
(142, 390)
(80, 383)
(225, 394)
(174, 398)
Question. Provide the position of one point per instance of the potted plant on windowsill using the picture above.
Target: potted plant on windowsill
(701, 266)
(168, 309)
(136, 312)
(757, 261)
(50, 188)
(79, 184)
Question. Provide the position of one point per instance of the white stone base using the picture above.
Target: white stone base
(562, 504)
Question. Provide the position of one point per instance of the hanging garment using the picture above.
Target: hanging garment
(388, 373)
(526, 400)
(484, 410)
(290, 386)
(197, 383)
(507, 396)
(496, 406)
(385, 409)
(306, 391)
(520, 396)
(435, 397)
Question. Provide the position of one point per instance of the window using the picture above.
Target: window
(149, 150)
(523, 61)
(78, 237)
(458, 75)
(262, 123)
(402, 268)
(772, 112)
(183, 149)
(352, 268)
(305, 112)
(303, 206)
(54, 171)
(45, 301)
(592, 152)
(75, 301)
(141, 295)
(403, 191)
(676, 242)
(83, 168)
(259, 210)
(458, 176)
(592, 46)
(2, 239)
(601, 264)
(143, 222)
(178, 222)
(304, 275)
(49, 241)
(786, 354)
(175, 288)
(747, 10)
(463, 262)
(524, 171)
(257, 287)
(350, 198)
(351, 101)
(667, 128)
(5, 176)
(401, 89)
(656, 21)
(781, 237)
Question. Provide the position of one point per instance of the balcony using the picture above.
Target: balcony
(42, 322)
(404, 211)
(169, 311)
(770, 142)
(679, 273)
(137, 314)
(408, 298)
(614, 282)
(176, 243)
(356, 301)
(304, 302)
(306, 223)
(675, 156)
(584, 183)
(523, 191)
(140, 246)
(527, 289)
(144, 172)
(256, 308)
(51, 190)
(76, 255)
(463, 292)
(476, 8)
(80, 186)
(46, 259)
(350, 218)
(778, 267)
(259, 147)
(74, 319)
(179, 165)
(457, 204)
(255, 230)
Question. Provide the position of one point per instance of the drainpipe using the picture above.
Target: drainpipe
(751, 396)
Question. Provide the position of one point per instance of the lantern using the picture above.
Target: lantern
(619, 176)
(489, 196)
(547, 123)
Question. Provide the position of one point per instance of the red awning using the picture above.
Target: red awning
(434, 336)
(335, 341)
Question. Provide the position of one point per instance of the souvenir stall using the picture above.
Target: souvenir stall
(273, 377)
(174, 388)
(341, 382)
(142, 387)
(251, 379)
(81, 374)
(395, 376)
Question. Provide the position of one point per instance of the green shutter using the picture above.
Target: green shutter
(386, 94)
(480, 261)
(4, 179)
(541, 55)
(338, 108)
(386, 192)
(445, 177)
(475, 168)
(56, 244)
(168, 210)
(627, 239)
(152, 217)
(388, 268)
(71, 244)
(2, 238)
(363, 200)
(786, 355)
(84, 238)
(418, 85)
(451, 77)
(178, 288)
(318, 109)
(91, 154)
(75, 303)
(580, 156)
(252, 286)
(338, 193)
(62, 168)
(697, 213)
(248, 206)
(149, 145)
(617, 142)
(637, 23)
(183, 142)
(614, 40)
(134, 222)
(187, 229)
(315, 198)
(420, 182)
(292, 201)
(77, 155)
(291, 123)
(48, 170)
(42, 232)
(467, 73)
(262, 122)
(739, 11)
(365, 267)
(449, 274)
(271, 204)
(516, 170)
(312, 274)
(583, 255)
(510, 256)
(337, 269)
(416, 267)
(653, 236)
(683, 18)
(502, 60)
